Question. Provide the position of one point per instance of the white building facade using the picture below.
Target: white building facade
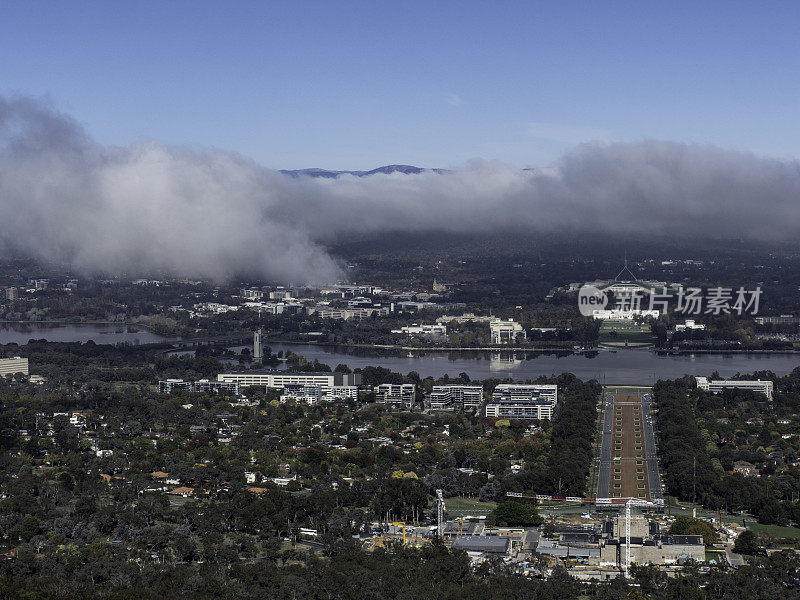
(717, 385)
(506, 332)
(523, 401)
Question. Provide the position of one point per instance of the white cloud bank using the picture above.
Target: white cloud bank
(150, 208)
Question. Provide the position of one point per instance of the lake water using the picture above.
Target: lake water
(623, 366)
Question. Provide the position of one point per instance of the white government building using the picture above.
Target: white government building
(715, 386)
(506, 332)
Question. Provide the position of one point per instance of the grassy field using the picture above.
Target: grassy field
(616, 333)
(790, 533)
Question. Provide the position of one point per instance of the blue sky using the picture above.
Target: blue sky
(360, 84)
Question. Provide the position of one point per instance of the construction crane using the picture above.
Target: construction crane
(403, 524)
(627, 502)
(627, 538)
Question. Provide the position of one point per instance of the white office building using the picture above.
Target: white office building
(326, 312)
(456, 396)
(251, 294)
(523, 401)
(717, 385)
(280, 379)
(396, 395)
(12, 366)
(437, 330)
(506, 332)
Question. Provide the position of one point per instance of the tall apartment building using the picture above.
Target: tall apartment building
(456, 396)
(717, 385)
(507, 332)
(396, 395)
(12, 366)
(523, 401)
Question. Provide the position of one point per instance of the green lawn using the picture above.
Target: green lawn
(618, 333)
(777, 531)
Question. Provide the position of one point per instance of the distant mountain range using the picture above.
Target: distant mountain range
(385, 170)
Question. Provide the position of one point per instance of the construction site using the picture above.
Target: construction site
(597, 537)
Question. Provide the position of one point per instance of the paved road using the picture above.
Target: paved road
(604, 473)
(653, 476)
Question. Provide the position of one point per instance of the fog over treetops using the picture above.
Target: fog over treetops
(152, 208)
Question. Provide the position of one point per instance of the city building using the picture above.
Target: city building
(689, 325)
(345, 314)
(169, 385)
(312, 394)
(12, 366)
(478, 546)
(214, 308)
(205, 385)
(251, 294)
(12, 293)
(521, 391)
(522, 401)
(506, 332)
(781, 320)
(396, 395)
(280, 379)
(280, 295)
(456, 396)
(465, 318)
(716, 386)
(423, 330)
